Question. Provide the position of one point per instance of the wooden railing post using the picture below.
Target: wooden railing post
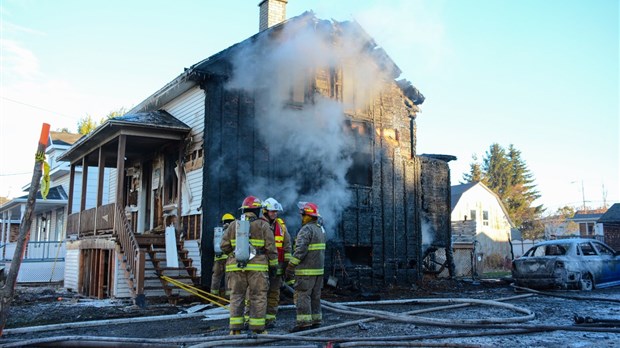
(139, 274)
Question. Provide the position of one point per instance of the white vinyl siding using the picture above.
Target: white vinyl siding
(121, 285)
(189, 109)
(194, 254)
(72, 260)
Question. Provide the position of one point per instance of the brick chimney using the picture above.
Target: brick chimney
(272, 12)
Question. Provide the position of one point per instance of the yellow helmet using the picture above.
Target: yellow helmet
(227, 217)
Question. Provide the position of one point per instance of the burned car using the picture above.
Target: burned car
(577, 263)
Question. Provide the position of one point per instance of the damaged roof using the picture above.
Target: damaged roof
(219, 65)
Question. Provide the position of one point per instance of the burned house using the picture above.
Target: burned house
(305, 110)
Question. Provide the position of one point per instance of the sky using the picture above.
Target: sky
(540, 75)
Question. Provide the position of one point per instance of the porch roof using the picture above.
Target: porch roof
(146, 132)
(56, 198)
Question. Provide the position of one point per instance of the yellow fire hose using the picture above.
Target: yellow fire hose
(197, 292)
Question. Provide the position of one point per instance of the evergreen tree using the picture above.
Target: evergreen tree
(496, 170)
(475, 173)
(506, 174)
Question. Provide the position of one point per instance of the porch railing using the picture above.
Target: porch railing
(134, 256)
(92, 222)
(36, 251)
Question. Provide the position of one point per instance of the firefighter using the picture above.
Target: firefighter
(271, 209)
(305, 269)
(248, 264)
(219, 261)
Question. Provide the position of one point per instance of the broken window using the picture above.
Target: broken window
(587, 249)
(359, 255)
(170, 179)
(485, 217)
(603, 250)
(360, 172)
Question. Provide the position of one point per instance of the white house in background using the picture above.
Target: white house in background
(480, 222)
(588, 223)
(44, 259)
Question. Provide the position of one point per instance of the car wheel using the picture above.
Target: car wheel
(586, 283)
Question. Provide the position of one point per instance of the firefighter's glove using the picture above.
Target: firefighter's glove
(273, 272)
(289, 273)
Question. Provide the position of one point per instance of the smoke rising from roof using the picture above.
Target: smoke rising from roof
(308, 146)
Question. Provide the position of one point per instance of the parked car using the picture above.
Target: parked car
(576, 263)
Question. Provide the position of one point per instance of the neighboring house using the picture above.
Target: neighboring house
(611, 226)
(44, 258)
(588, 225)
(306, 109)
(480, 225)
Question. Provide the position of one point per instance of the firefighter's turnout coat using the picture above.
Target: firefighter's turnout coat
(253, 275)
(309, 259)
(283, 246)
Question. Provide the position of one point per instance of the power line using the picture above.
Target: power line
(13, 174)
(37, 107)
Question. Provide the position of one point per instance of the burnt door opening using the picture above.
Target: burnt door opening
(96, 273)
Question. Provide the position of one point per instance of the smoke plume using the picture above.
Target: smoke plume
(308, 142)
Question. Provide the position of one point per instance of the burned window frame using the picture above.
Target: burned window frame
(360, 171)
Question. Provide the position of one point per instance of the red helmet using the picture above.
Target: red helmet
(251, 202)
(310, 209)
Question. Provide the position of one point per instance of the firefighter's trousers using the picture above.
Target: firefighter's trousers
(273, 297)
(258, 284)
(219, 268)
(308, 300)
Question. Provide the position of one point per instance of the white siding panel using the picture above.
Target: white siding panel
(194, 179)
(72, 260)
(112, 186)
(121, 286)
(189, 109)
(193, 253)
(64, 182)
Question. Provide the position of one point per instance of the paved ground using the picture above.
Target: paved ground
(42, 306)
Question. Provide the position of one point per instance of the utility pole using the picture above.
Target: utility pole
(583, 196)
(8, 288)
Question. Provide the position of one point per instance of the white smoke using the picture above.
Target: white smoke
(310, 139)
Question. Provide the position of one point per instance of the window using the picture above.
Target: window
(170, 179)
(360, 172)
(472, 214)
(586, 229)
(603, 250)
(485, 217)
(60, 224)
(587, 249)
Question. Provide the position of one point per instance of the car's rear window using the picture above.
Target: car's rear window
(549, 250)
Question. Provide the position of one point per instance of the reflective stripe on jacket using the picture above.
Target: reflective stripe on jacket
(309, 255)
(283, 240)
(261, 238)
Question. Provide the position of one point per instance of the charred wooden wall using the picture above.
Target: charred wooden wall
(379, 238)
